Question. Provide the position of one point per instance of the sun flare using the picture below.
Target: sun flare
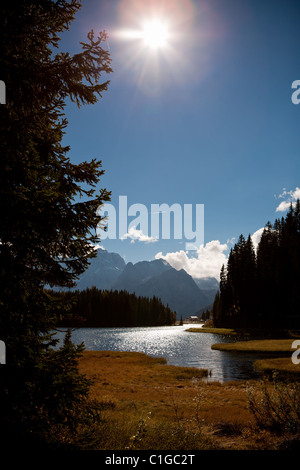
(155, 34)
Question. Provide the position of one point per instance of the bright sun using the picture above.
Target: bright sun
(155, 34)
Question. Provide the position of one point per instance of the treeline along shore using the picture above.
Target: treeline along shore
(93, 307)
(260, 288)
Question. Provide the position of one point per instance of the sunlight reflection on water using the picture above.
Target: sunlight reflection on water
(174, 343)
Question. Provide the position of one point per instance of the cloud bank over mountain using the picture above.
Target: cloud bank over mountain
(207, 261)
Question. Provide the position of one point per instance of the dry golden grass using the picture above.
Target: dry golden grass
(260, 346)
(282, 364)
(218, 331)
(149, 404)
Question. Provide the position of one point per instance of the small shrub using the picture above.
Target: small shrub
(276, 405)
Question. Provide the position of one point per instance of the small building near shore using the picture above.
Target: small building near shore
(192, 319)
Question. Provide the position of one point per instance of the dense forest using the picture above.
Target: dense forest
(261, 288)
(101, 308)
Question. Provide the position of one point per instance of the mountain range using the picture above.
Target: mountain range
(175, 288)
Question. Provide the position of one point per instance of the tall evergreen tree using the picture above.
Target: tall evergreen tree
(261, 289)
(289, 265)
(267, 275)
(47, 208)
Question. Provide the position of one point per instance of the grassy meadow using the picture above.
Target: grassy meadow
(276, 346)
(147, 404)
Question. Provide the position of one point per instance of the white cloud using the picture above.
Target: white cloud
(98, 247)
(290, 198)
(283, 206)
(137, 235)
(256, 237)
(207, 263)
(296, 194)
(208, 260)
(231, 241)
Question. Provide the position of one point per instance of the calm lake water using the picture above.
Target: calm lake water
(174, 343)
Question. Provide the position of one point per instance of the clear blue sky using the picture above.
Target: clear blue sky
(208, 119)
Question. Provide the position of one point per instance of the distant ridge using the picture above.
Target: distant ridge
(175, 288)
(103, 271)
(139, 274)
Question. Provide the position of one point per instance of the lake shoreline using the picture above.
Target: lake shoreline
(277, 352)
(179, 347)
(277, 356)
